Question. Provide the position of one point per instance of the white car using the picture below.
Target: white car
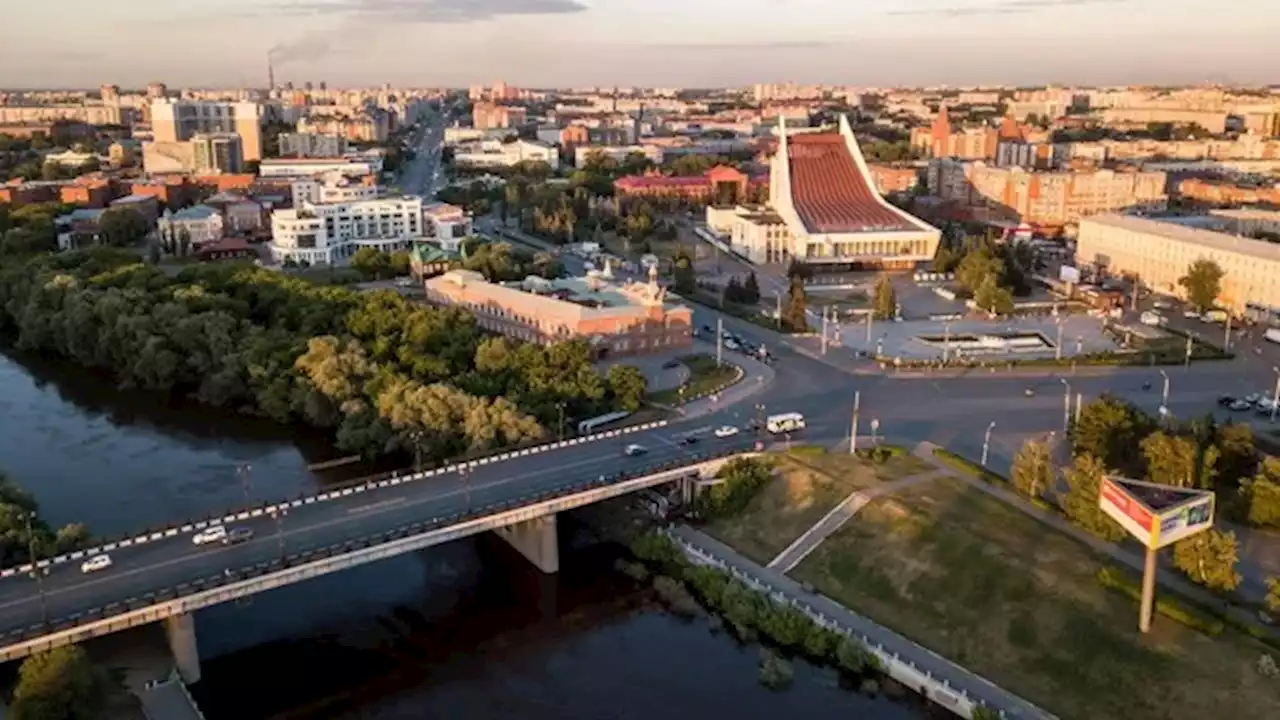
(96, 563)
(725, 431)
(634, 450)
(1191, 314)
(217, 533)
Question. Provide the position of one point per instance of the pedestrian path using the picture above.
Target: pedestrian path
(1120, 554)
(797, 551)
(919, 668)
(169, 700)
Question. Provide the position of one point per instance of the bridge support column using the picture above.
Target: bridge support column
(181, 631)
(536, 540)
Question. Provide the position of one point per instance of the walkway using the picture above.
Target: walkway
(1166, 579)
(169, 700)
(797, 551)
(926, 663)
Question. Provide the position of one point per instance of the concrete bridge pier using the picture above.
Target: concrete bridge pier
(536, 540)
(181, 631)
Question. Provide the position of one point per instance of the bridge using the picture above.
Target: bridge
(162, 576)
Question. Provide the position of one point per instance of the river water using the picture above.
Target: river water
(467, 629)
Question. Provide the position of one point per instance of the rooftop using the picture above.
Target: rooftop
(829, 191)
(1207, 239)
(196, 212)
(569, 299)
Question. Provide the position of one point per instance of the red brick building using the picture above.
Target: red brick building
(708, 187)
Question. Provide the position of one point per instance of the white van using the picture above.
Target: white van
(1152, 319)
(1215, 316)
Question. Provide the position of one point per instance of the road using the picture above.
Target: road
(422, 175)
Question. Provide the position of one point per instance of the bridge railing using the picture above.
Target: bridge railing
(309, 555)
(334, 492)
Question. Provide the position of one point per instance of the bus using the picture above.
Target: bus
(784, 423)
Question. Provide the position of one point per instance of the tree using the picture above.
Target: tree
(628, 386)
(1032, 471)
(1209, 558)
(1080, 504)
(751, 289)
(60, 684)
(1179, 461)
(977, 267)
(793, 309)
(371, 263)
(682, 272)
(885, 305)
(1203, 283)
(1273, 594)
(993, 297)
(1261, 495)
(1111, 429)
(122, 227)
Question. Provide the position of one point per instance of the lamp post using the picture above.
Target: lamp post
(416, 437)
(1275, 396)
(1058, 345)
(242, 471)
(278, 516)
(1066, 405)
(466, 486)
(853, 429)
(946, 343)
(986, 442)
(560, 407)
(35, 571)
(1164, 394)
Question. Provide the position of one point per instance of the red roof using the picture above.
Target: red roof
(829, 192)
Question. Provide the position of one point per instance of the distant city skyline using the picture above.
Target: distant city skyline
(548, 43)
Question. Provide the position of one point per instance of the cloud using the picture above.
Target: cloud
(424, 11)
(1002, 7)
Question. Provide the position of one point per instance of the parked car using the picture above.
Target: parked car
(1240, 405)
(216, 533)
(98, 562)
(1190, 314)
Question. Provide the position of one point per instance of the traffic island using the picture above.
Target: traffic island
(1020, 603)
(706, 378)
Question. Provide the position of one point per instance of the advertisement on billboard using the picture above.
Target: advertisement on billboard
(1183, 522)
(1069, 274)
(1127, 511)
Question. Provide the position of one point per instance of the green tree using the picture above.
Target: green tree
(977, 267)
(1238, 453)
(628, 386)
(1261, 495)
(1203, 283)
(751, 289)
(682, 272)
(122, 227)
(1032, 471)
(993, 297)
(885, 305)
(1080, 504)
(1273, 594)
(1178, 460)
(1111, 430)
(60, 684)
(371, 263)
(1209, 558)
(793, 309)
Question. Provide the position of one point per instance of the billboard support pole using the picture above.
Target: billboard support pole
(1148, 591)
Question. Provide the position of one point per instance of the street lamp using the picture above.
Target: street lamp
(278, 515)
(946, 343)
(35, 571)
(560, 407)
(466, 486)
(416, 437)
(1275, 396)
(242, 471)
(1164, 396)
(1066, 405)
(986, 442)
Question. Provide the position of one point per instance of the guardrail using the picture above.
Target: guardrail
(311, 562)
(271, 508)
(895, 665)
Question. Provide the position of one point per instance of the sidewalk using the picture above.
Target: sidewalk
(1165, 579)
(931, 667)
(797, 551)
(756, 377)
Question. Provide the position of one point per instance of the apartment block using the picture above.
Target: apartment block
(332, 187)
(485, 116)
(180, 120)
(331, 234)
(312, 145)
(1049, 199)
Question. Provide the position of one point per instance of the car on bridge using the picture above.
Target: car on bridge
(634, 450)
(237, 536)
(216, 533)
(726, 431)
(96, 563)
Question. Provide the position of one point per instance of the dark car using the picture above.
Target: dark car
(670, 364)
(688, 440)
(1226, 400)
(237, 536)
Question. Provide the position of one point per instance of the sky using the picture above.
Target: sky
(685, 43)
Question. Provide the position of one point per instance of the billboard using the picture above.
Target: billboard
(1157, 515)
(1069, 274)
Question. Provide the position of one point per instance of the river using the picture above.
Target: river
(467, 629)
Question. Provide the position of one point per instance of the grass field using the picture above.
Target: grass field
(808, 484)
(704, 376)
(1019, 603)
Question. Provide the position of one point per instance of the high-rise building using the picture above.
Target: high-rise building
(218, 153)
(179, 120)
(312, 145)
(157, 91)
(110, 94)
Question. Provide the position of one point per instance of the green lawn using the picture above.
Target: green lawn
(1020, 603)
(809, 482)
(704, 376)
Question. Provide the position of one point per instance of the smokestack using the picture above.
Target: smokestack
(271, 74)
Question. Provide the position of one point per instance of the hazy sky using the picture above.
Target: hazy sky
(84, 43)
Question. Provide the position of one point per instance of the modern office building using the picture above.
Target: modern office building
(1159, 252)
(312, 145)
(179, 120)
(824, 211)
(330, 234)
(616, 319)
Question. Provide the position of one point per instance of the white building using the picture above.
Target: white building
(201, 224)
(312, 145)
(331, 187)
(306, 167)
(494, 153)
(330, 234)
(450, 224)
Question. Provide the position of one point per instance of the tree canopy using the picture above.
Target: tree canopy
(60, 684)
(1203, 283)
(885, 303)
(122, 227)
